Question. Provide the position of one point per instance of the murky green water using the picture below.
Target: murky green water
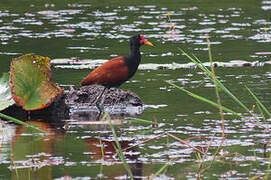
(101, 30)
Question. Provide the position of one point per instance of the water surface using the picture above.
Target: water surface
(100, 30)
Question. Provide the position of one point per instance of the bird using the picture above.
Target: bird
(118, 70)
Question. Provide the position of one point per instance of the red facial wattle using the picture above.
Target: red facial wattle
(144, 41)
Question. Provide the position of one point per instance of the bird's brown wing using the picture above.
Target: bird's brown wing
(112, 73)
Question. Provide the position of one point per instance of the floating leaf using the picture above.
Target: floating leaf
(5, 94)
(30, 82)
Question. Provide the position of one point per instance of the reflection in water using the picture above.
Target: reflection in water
(34, 154)
(116, 112)
(105, 151)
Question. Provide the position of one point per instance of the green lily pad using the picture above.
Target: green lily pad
(30, 82)
(5, 94)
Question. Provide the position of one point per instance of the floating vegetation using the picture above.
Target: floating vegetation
(91, 64)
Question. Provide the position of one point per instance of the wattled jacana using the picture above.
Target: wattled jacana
(118, 70)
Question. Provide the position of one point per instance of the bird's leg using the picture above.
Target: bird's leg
(100, 103)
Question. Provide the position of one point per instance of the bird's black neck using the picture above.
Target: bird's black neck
(133, 59)
(134, 49)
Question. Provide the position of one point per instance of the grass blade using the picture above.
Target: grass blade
(209, 74)
(216, 89)
(218, 106)
(259, 102)
(120, 153)
(141, 121)
(19, 122)
(102, 151)
(161, 169)
(204, 99)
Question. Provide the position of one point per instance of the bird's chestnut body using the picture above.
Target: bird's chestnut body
(112, 73)
(118, 70)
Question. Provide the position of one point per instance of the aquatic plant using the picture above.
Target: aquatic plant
(119, 149)
(30, 82)
(206, 165)
(29, 85)
(219, 85)
(6, 99)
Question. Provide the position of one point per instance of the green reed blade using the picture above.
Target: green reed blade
(209, 74)
(19, 122)
(161, 169)
(120, 153)
(259, 102)
(141, 121)
(205, 100)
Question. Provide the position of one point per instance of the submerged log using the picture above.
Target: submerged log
(80, 104)
(87, 95)
(118, 103)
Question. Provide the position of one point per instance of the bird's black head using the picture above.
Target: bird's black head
(138, 40)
